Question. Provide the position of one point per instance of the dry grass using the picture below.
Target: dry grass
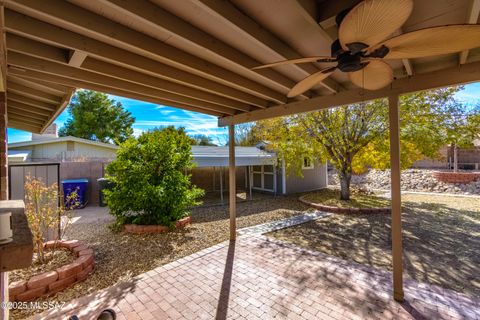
(441, 240)
(120, 256)
(331, 197)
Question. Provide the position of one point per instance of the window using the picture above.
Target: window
(307, 163)
(263, 177)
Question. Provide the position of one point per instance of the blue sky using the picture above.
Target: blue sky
(149, 115)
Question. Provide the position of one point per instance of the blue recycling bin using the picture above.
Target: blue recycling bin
(79, 186)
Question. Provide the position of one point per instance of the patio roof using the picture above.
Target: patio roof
(198, 54)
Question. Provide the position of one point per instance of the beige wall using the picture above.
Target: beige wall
(313, 179)
(93, 151)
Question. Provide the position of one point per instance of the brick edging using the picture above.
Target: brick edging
(51, 282)
(456, 177)
(144, 229)
(380, 210)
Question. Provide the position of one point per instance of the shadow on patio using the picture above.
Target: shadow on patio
(440, 242)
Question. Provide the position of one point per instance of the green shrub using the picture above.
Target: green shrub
(151, 184)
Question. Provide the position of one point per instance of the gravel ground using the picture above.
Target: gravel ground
(441, 240)
(120, 256)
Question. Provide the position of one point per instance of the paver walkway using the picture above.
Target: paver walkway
(257, 277)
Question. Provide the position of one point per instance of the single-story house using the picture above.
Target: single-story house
(62, 149)
(257, 169)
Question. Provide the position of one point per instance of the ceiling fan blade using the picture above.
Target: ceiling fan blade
(299, 60)
(433, 41)
(376, 75)
(372, 21)
(310, 81)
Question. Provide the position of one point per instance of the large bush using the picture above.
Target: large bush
(151, 184)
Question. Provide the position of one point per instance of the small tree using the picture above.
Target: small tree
(151, 184)
(44, 214)
(96, 117)
(202, 140)
(355, 137)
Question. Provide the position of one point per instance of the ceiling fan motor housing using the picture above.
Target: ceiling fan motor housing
(350, 63)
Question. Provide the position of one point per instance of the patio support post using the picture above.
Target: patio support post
(4, 313)
(397, 250)
(231, 181)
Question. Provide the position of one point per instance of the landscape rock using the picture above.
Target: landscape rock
(420, 180)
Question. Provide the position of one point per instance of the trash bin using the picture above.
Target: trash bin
(103, 184)
(80, 186)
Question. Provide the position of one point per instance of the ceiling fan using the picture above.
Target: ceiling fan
(361, 46)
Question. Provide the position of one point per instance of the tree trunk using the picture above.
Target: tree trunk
(345, 186)
(455, 158)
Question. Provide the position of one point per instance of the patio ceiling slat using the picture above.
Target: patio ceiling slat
(96, 26)
(44, 32)
(157, 17)
(36, 64)
(91, 86)
(24, 126)
(234, 16)
(30, 102)
(26, 113)
(436, 79)
(472, 17)
(55, 90)
(33, 93)
(37, 49)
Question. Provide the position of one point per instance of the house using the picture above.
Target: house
(49, 146)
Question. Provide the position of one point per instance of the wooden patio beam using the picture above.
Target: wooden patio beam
(159, 18)
(76, 58)
(265, 38)
(12, 107)
(23, 126)
(37, 85)
(94, 25)
(33, 93)
(46, 52)
(472, 18)
(48, 67)
(34, 122)
(29, 102)
(44, 32)
(29, 74)
(441, 78)
(330, 8)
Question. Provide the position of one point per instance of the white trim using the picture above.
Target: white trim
(311, 166)
(262, 178)
(61, 139)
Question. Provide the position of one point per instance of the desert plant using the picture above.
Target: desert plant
(151, 180)
(44, 213)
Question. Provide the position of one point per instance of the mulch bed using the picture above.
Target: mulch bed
(441, 240)
(120, 256)
(54, 260)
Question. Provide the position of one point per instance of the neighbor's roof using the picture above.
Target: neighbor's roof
(197, 55)
(206, 156)
(19, 154)
(61, 139)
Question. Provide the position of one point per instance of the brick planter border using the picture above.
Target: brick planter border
(145, 229)
(322, 207)
(456, 177)
(51, 282)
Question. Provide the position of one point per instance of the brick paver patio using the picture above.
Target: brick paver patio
(258, 277)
